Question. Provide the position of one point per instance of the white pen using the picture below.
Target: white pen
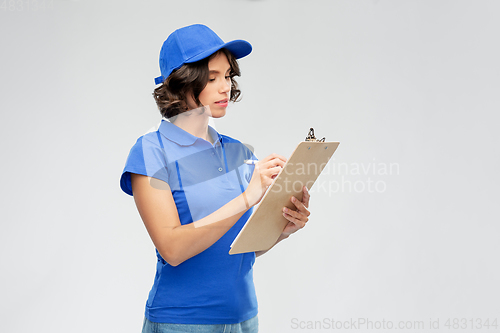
(251, 162)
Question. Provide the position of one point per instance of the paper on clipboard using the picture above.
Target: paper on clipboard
(267, 222)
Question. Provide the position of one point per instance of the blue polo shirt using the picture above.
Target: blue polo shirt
(212, 287)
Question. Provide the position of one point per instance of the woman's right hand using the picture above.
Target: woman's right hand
(263, 176)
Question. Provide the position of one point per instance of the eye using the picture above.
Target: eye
(211, 79)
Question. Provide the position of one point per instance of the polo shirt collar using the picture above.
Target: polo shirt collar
(183, 138)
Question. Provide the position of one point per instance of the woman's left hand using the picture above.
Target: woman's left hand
(297, 219)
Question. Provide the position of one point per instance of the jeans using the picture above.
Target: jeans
(248, 326)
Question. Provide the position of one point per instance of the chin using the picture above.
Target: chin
(218, 114)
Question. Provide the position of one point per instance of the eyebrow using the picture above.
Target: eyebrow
(216, 72)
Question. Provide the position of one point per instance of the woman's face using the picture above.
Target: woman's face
(217, 92)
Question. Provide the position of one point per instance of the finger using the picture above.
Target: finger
(270, 172)
(296, 214)
(268, 175)
(298, 224)
(300, 206)
(272, 163)
(280, 157)
(274, 157)
(269, 167)
(273, 172)
(306, 197)
(290, 228)
(296, 218)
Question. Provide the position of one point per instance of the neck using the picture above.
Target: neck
(194, 122)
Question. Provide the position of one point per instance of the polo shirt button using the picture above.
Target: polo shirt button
(220, 169)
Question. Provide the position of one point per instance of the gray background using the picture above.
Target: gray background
(408, 84)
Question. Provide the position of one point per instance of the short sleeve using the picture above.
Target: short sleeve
(147, 157)
(251, 156)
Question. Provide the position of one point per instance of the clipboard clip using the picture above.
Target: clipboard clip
(310, 136)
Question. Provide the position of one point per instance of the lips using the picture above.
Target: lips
(222, 103)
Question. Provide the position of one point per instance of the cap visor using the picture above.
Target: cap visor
(239, 48)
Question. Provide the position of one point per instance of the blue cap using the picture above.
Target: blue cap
(193, 43)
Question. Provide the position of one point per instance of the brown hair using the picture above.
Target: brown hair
(171, 95)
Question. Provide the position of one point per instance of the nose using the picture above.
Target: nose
(225, 86)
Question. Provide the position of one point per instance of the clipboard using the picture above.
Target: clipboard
(267, 222)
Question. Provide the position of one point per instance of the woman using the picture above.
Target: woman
(194, 191)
